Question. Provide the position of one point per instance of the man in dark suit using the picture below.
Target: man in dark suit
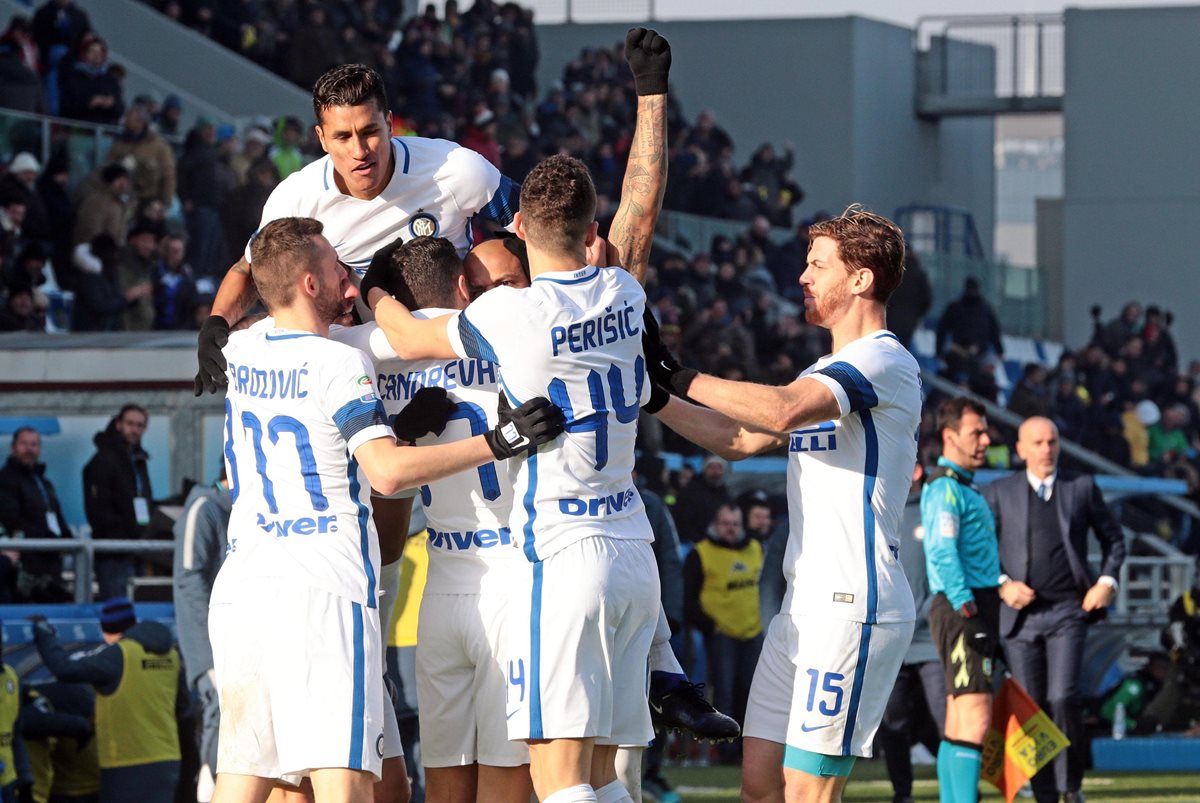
(1042, 521)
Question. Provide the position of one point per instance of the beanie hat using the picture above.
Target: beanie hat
(117, 615)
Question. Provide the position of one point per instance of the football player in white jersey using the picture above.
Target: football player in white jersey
(578, 684)
(305, 431)
(369, 189)
(849, 422)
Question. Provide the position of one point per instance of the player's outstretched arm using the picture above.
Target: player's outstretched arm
(235, 297)
(716, 432)
(632, 231)
(412, 338)
(391, 468)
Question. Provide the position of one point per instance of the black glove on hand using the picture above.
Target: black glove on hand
(535, 422)
(380, 270)
(659, 396)
(661, 365)
(427, 411)
(214, 334)
(649, 57)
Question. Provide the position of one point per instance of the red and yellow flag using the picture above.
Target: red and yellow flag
(1021, 740)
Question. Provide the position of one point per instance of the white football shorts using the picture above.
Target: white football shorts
(299, 680)
(821, 684)
(461, 683)
(577, 643)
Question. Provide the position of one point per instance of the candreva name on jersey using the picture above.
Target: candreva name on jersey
(268, 383)
(449, 375)
(596, 332)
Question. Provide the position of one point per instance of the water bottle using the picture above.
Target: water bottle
(1118, 731)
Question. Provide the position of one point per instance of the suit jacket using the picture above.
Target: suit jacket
(1080, 508)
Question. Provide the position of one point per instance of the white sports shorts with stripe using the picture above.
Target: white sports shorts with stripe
(578, 642)
(299, 682)
(460, 681)
(821, 684)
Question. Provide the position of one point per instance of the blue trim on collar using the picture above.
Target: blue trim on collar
(577, 280)
(407, 154)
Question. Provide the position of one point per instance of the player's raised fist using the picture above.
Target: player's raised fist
(380, 272)
(214, 334)
(535, 422)
(649, 57)
(426, 412)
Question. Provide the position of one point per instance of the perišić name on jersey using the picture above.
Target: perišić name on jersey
(268, 383)
(596, 332)
(597, 506)
(821, 438)
(463, 541)
(449, 375)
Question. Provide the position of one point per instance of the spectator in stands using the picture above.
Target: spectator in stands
(696, 506)
(174, 286)
(153, 161)
(720, 598)
(480, 136)
(53, 190)
(170, 116)
(1032, 396)
(1168, 437)
(286, 151)
(58, 27)
(12, 221)
(204, 183)
(29, 508)
(756, 513)
(968, 333)
(254, 146)
(1120, 330)
(136, 270)
(708, 136)
(244, 205)
(106, 208)
(312, 49)
(20, 312)
(765, 176)
(1043, 516)
(201, 536)
(21, 182)
(910, 303)
(91, 91)
(117, 496)
(20, 87)
(1158, 345)
(1136, 420)
(99, 301)
(140, 695)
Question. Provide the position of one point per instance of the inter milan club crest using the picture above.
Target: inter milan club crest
(423, 224)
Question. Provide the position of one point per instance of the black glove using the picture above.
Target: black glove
(659, 396)
(379, 272)
(214, 334)
(979, 636)
(42, 627)
(661, 365)
(969, 609)
(427, 411)
(535, 422)
(649, 57)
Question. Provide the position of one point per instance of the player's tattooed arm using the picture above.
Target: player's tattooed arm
(716, 432)
(237, 293)
(632, 230)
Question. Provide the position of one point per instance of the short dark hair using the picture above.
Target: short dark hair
(423, 272)
(130, 407)
(867, 241)
(112, 172)
(279, 253)
(348, 85)
(950, 412)
(558, 203)
(19, 431)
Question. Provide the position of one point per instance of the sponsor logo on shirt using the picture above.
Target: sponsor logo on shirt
(597, 506)
(821, 438)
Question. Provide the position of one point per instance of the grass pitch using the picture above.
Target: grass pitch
(869, 784)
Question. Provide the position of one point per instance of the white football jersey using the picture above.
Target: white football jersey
(576, 338)
(435, 190)
(297, 407)
(469, 536)
(848, 481)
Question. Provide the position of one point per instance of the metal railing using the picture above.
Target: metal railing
(989, 64)
(84, 552)
(86, 143)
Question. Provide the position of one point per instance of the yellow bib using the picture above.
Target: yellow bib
(136, 723)
(10, 706)
(413, 571)
(729, 594)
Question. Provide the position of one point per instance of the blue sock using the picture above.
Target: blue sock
(663, 682)
(958, 772)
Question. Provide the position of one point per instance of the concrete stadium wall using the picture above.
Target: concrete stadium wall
(840, 88)
(1132, 170)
